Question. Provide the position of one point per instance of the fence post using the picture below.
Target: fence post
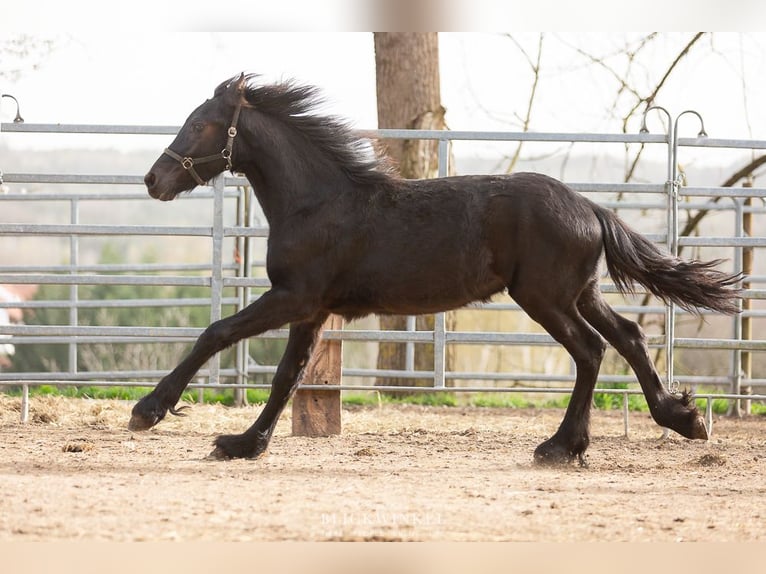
(746, 357)
(317, 412)
(243, 295)
(216, 276)
(74, 290)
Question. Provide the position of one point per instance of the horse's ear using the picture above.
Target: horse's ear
(235, 90)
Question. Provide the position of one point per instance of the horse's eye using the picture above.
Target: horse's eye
(198, 127)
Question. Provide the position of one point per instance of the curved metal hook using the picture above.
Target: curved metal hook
(644, 129)
(18, 119)
(702, 133)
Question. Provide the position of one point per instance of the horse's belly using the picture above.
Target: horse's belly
(413, 290)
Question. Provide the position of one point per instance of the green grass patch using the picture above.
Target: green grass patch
(721, 406)
(448, 399)
(434, 399)
(614, 401)
(225, 396)
(500, 400)
(376, 398)
(371, 399)
(85, 392)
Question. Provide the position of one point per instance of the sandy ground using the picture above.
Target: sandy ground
(397, 473)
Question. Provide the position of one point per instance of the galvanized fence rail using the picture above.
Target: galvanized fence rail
(244, 276)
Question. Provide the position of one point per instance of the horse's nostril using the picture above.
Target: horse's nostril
(150, 179)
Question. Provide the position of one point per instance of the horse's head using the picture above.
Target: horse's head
(203, 147)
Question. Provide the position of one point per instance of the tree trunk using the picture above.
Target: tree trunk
(407, 82)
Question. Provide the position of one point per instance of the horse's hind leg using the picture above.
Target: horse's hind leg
(567, 326)
(628, 339)
(254, 441)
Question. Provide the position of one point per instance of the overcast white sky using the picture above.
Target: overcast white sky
(117, 78)
(128, 78)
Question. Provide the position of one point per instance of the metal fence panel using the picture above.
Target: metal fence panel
(235, 281)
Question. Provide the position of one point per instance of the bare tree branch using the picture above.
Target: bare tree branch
(694, 221)
(650, 99)
(535, 65)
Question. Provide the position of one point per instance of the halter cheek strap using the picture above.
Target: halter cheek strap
(188, 163)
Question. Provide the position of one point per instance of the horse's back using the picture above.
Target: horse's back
(440, 244)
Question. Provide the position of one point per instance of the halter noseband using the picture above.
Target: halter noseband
(188, 163)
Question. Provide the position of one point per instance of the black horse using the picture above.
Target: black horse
(349, 237)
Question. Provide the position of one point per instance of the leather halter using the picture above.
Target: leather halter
(188, 163)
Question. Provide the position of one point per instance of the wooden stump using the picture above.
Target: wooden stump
(317, 412)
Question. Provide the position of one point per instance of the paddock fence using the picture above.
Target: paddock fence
(63, 215)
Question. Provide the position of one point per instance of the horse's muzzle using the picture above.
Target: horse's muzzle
(154, 191)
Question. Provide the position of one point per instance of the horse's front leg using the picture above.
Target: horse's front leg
(272, 310)
(253, 442)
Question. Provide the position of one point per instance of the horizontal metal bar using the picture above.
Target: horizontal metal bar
(733, 344)
(720, 142)
(200, 193)
(233, 231)
(368, 388)
(161, 280)
(754, 293)
(65, 178)
(95, 377)
(458, 135)
(70, 331)
(114, 303)
(722, 241)
(510, 376)
(246, 282)
(87, 129)
(617, 187)
(513, 307)
(100, 229)
(104, 230)
(102, 334)
(453, 337)
(487, 338)
(97, 340)
(384, 133)
(722, 192)
(115, 268)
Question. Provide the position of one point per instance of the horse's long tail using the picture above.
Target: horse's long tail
(692, 285)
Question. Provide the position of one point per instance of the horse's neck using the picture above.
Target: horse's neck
(266, 194)
(284, 181)
(280, 193)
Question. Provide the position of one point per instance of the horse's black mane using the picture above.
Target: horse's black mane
(294, 104)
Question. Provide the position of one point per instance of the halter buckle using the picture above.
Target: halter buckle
(232, 132)
(187, 163)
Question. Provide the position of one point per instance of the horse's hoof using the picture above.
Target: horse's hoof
(139, 423)
(553, 454)
(218, 454)
(683, 417)
(146, 413)
(228, 447)
(698, 429)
